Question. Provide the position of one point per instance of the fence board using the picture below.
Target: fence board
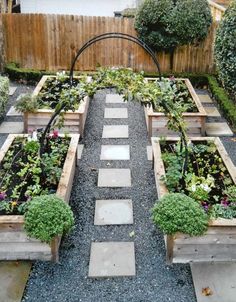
(50, 42)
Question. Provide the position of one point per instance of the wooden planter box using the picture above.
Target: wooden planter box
(157, 121)
(219, 242)
(74, 122)
(14, 243)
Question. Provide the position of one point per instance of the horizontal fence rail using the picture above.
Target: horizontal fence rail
(50, 42)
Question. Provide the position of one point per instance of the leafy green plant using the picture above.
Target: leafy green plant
(15, 72)
(4, 93)
(222, 211)
(230, 192)
(177, 212)
(48, 216)
(225, 49)
(27, 103)
(173, 167)
(21, 173)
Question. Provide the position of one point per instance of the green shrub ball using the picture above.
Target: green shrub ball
(177, 212)
(166, 24)
(48, 216)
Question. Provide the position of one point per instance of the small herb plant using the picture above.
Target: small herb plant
(181, 95)
(177, 212)
(48, 216)
(27, 103)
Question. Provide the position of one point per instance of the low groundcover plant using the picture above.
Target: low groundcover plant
(176, 212)
(48, 216)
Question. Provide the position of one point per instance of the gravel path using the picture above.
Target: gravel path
(155, 281)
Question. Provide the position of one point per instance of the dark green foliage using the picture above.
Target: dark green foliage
(48, 216)
(165, 24)
(226, 103)
(4, 92)
(177, 212)
(30, 75)
(225, 49)
(27, 103)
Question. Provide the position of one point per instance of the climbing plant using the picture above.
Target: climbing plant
(134, 87)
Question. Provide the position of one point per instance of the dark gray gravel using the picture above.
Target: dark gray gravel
(155, 281)
(21, 89)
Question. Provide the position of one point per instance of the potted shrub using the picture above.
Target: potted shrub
(39, 107)
(194, 113)
(209, 182)
(25, 174)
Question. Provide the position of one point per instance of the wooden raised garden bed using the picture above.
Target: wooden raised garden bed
(74, 122)
(14, 243)
(219, 242)
(157, 121)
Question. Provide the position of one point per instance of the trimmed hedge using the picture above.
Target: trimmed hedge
(32, 76)
(226, 104)
(16, 73)
(4, 94)
(197, 79)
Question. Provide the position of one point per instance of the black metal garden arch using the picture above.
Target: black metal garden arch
(115, 35)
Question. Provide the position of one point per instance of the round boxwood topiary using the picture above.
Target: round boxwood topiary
(165, 24)
(177, 212)
(48, 216)
(225, 49)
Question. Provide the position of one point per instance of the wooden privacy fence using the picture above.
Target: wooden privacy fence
(50, 42)
(217, 10)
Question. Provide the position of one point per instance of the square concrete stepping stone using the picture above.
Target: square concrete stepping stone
(115, 152)
(218, 279)
(116, 211)
(116, 113)
(114, 99)
(218, 129)
(12, 112)
(115, 131)
(13, 279)
(114, 178)
(12, 127)
(212, 111)
(80, 149)
(205, 98)
(112, 259)
(149, 153)
(12, 90)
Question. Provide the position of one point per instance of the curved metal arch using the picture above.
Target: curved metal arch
(115, 35)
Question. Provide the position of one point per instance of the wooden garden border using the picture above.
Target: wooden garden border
(219, 242)
(74, 121)
(157, 121)
(14, 243)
